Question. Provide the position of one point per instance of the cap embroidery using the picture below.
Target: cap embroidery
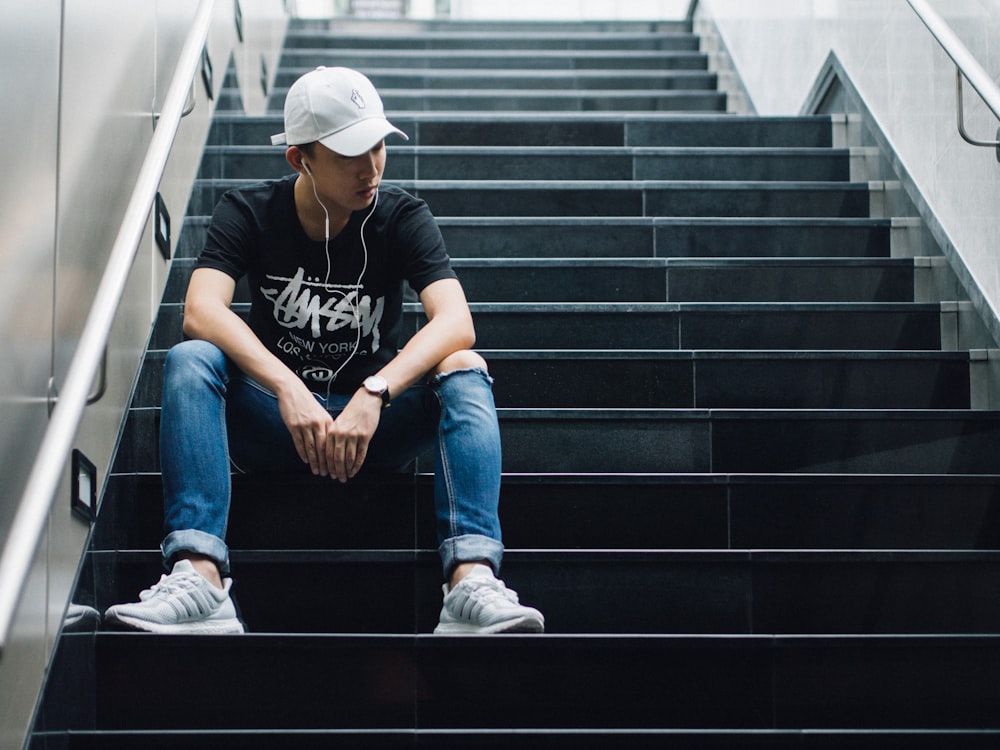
(358, 100)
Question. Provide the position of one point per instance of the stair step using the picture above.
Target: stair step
(566, 129)
(678, 511)
(733, 380)
(609, 739)
(707, 326)
(589, 683)
(703, 379)
(750, 441)
(599, 683)
(531, 76)
(612, 198)
(632, 237)
(722, 592)
(368, 59)
(656, 326)
(886, 326)
(555, 163)
(642, 198)
(661, 280)
(660, 41)
(683, 280)
(302, 28)
(571, 100)
(697, 441)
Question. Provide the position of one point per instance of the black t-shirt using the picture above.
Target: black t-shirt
(333, 320)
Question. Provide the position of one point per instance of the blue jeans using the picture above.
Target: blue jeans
(214, 416)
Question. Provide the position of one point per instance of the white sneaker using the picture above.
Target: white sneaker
(182, 602)
(481, 603)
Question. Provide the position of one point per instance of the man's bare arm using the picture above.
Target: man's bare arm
(448, 329)
(208, 316)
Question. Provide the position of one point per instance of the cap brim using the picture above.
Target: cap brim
(361, 136)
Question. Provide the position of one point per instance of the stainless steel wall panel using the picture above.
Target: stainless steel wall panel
(263, 33)
(81, 81)
(106, 127)
(29, 86)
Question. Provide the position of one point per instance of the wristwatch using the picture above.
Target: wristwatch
(376, 385)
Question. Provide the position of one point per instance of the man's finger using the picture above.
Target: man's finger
(313, 455)
(300, 446)
(359, 459)
(350, 451)
(338, 448)
(321, 440)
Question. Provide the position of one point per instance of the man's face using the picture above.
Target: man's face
(347, 183)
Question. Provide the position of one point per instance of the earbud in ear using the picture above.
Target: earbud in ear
(306, 167)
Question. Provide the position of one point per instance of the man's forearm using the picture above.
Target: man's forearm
(440, 337)
(233, 336)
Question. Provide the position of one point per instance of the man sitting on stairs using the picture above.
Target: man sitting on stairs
(315, 377)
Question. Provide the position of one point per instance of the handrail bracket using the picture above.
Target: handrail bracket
(959, 86)
(966, 67)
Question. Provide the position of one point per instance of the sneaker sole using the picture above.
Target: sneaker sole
(220, 627)
(521, 625)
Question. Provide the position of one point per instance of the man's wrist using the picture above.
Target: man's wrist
(377, 386)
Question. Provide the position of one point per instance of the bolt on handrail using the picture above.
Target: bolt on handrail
(46, 472)
(966, 66)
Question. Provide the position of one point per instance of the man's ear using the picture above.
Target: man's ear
(295, 156)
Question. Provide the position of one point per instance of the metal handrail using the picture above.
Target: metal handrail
(692, 8)
(46, 472)
(966, 65)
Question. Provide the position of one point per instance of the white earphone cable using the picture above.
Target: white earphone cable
(356, 304)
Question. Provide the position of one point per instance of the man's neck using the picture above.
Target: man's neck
(311, 215)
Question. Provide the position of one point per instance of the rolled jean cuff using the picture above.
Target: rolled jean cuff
(198, 542)
(470, 548)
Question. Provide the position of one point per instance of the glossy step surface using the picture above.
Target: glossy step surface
(555, 163)
(724, 592)
(704, 379)
(521, 129)
(615, 198)
(708, 440)
(644, 237)
(703, 511)
(395, 682)
(674, 325)
(504, 280)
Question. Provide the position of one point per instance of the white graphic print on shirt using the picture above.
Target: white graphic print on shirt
(316, 308)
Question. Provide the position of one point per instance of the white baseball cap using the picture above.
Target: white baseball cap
(338, 107)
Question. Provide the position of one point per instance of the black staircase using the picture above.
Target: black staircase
(744, 480)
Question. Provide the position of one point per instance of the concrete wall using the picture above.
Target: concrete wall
(908, 85)
(81, 80)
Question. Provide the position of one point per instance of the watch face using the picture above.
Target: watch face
(376, 384)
